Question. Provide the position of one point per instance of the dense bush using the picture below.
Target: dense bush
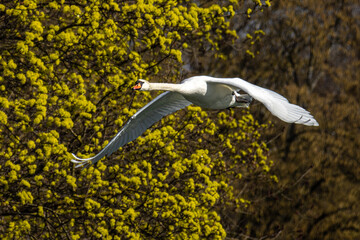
(66, 70)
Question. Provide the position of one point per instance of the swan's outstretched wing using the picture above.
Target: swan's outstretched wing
(274, 102)
(163, 105)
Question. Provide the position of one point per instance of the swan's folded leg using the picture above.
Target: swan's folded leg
(243, 100)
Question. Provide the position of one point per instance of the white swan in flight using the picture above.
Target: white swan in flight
(206, 92)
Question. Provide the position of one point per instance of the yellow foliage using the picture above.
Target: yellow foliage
(66, 74)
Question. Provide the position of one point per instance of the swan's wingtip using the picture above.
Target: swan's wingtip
(77, 158)
(80, 162)
(310, 122)
(84, 164)
(75, 161)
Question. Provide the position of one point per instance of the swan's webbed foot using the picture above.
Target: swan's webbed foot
(243, 100)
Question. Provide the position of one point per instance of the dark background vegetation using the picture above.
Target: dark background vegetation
(310, 54)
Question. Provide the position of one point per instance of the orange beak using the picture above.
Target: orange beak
(137, 86)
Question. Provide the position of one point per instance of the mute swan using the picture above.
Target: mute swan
(206, 92)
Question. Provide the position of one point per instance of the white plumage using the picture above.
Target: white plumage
(206, 92)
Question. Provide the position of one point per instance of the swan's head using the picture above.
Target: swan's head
(142, 85)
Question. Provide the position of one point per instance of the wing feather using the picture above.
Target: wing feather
(163, 105)
(274, 102)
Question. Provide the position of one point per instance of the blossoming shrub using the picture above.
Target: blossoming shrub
(66, 70)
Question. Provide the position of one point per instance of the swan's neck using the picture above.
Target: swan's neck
(165, 87)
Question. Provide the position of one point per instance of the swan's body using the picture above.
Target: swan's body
(206, 92)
